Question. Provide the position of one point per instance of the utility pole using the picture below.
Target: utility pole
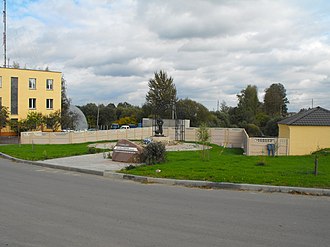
(4, 34)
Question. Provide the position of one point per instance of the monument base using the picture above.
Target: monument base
(162, 139)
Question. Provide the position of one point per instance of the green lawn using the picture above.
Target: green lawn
(42, 152)
(230, 165)
(224, 165)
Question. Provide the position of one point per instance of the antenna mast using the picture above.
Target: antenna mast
(4, 34)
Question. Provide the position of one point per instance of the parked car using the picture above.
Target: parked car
(114, 126)
(125, 127)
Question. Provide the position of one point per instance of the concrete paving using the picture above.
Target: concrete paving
(97, 162)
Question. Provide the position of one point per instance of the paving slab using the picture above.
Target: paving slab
(95, 162)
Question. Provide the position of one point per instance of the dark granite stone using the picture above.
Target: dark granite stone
(127, 151)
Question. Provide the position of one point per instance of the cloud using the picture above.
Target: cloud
(108, 50)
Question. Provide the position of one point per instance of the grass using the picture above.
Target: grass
(229, 165)
(43, 152)
(224, 165)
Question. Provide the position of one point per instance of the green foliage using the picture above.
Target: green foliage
(127, 120)
(162, 94)
(196, 112)
(154, 153)
(203, 136)
(248, 103)
(253, 130)
(66, 117)
(275, 101)
(90, 112)
(33, 121)
(4, 116)
(124, 113)
(271, 128)
(92, 150)
(53, 120)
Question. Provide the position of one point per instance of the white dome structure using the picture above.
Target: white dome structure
(81, 123)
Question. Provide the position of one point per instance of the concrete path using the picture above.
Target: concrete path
(96, 162)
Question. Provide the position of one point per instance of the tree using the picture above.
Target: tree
(203, 136)
(271, 128)
(53, 120)
(66, 117)
(34, 121)
(248, 103)
(4, 117)
(90, 111)
(275, 101)
(127, 110)
(196, 112)
(162, 94)
(107, 114)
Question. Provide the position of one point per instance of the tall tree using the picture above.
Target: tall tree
(275, 100)
(248, 103)
(162, 94)
(65, 105)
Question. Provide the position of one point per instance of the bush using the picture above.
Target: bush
(154, 153)
(92, 150)
(253, 130)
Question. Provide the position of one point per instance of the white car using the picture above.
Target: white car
(126, 127)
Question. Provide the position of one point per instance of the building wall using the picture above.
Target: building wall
(307, 139)
(40, 93)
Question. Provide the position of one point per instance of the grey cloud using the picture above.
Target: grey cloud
(212, 49)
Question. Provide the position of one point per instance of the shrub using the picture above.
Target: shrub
(92, 150)
(154, 153)
(253, 130)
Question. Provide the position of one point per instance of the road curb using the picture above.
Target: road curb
(220, 185)
(44, 164)
(186, 183)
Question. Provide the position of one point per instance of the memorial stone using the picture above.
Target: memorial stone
(127, 151)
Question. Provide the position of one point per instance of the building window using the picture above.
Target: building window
(49, 84)
(32, 103)
(49, 103)
(0, 81)
(14, 96)
(32, 83)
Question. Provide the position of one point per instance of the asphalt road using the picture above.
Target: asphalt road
(44, 207)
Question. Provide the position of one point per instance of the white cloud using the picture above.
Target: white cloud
(108, 50)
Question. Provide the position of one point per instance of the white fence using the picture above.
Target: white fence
(228, 137)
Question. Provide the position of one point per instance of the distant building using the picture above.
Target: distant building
(23, 91)
(307, 131)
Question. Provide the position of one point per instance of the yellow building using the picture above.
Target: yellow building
(307, 131)
(23, 91)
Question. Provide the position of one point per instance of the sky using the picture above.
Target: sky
(108, 50)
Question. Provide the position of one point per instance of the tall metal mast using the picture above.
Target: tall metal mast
(4, 34)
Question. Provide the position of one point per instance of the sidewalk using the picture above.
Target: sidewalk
(96, 164)
(93, 162)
